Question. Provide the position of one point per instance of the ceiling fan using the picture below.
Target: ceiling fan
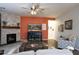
(34, 9)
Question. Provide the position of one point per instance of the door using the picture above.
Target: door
(52, 29)
(52, 33)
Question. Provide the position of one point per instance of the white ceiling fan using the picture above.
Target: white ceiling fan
(34, 9)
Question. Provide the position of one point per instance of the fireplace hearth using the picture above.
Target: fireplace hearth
(11, 38)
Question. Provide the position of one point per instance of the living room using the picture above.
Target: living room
(21, 26)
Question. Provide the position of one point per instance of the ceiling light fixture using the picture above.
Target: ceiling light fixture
(33, 12)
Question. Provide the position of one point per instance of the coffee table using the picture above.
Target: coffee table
(33, 46)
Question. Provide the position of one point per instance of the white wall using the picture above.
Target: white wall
(74, 15)
(11, 19)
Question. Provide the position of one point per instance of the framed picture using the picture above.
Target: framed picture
(68, 25)
(34, 27)
(61, 28)
(43, 26)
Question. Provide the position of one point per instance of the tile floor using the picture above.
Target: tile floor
(8, 47)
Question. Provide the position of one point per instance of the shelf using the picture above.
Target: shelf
(10, 27)
(34, 30)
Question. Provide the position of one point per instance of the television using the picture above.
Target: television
(34, 36)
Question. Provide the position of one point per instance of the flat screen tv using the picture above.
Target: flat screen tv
(34, 26)
(34, 36)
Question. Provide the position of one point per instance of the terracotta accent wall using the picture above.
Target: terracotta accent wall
(33, 20)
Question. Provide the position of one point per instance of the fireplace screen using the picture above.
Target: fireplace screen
(11, 38)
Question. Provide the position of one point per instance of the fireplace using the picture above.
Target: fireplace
(11, 38)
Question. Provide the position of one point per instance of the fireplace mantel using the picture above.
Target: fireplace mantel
(10, 27)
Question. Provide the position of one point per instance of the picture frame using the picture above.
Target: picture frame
(68, 25)
(43, 26)
(34, 27)
(61, 28)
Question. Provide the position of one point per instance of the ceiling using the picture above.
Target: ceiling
(50, 9)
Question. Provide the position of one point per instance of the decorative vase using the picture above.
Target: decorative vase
(4, 23)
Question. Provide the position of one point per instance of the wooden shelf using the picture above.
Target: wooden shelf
(10, 27)
(34, 30)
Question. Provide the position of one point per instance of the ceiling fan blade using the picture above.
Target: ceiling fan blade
(35, 6)
(25, 8)
(40, 9)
